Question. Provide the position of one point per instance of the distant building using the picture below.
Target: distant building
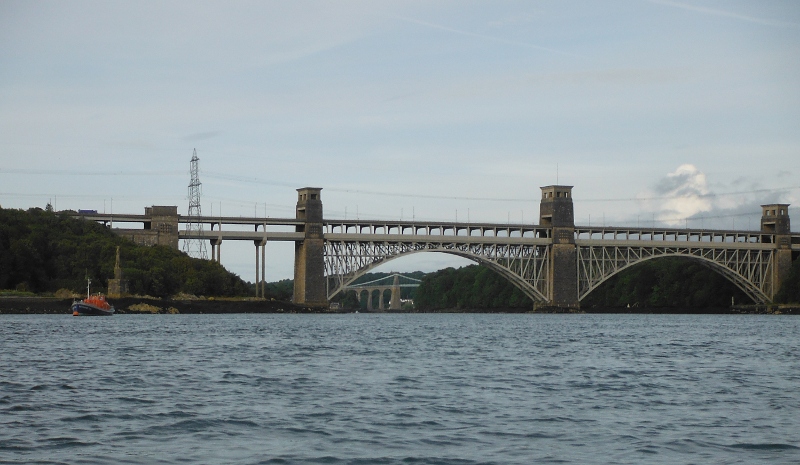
(161, 229)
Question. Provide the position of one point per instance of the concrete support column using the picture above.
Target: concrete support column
(394, 303)
(310, 288)
(564, 274)
(775, 221)
(264, 268)
(215, 250)
(556, 211)
(258, 268)
(381, 307)
(369, 300)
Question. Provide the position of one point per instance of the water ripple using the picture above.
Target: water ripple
(400, 389)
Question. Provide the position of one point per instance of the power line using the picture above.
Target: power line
(701, 196)
(90, 173)
(490, 199)
(84, 196)
(254, 180)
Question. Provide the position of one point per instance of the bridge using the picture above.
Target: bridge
(555, 262)
(382, 285)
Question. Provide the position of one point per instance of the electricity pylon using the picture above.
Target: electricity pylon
(195, 247)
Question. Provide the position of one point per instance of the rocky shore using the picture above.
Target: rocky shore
(143, 305)
(136, 305)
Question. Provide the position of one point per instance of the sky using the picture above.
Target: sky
(665, 113)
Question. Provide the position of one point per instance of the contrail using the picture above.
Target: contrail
(485, 37)
(727, 14)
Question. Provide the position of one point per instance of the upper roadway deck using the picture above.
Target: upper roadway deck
(455, 232)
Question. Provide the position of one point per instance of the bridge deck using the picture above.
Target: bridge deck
(457, 232)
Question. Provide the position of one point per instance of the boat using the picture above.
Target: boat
(92, 305)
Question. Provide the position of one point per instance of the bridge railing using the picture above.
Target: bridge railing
(184, 219)
(438, 230)
(584, 233)
(416, 228)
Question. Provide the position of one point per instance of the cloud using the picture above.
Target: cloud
(684, 193)
(687, 180)
(684, 198)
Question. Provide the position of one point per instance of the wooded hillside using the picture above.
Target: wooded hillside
(42, 251)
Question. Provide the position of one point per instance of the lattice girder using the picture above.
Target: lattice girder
(749, 269)
(525, 265)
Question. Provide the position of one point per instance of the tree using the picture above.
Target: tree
(43, 251)
(666, 282)
(470, 287)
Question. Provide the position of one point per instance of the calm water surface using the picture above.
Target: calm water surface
(400, 389)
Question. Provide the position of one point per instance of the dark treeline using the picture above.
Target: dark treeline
(664, 282)
(280, 290)
(470, 287)
(790, 290)
(667, 282)
(42, 251)
(680, 282)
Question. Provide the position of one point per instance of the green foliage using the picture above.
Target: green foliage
(281, 290)
(663, 282)
(349, 300)
(790, 288)
(666, 282)
(470, 287)
(42, 251)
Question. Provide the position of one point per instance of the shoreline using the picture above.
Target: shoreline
(15, 305)
(140, 305)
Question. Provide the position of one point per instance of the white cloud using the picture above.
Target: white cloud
(684, 194)
(685, 197)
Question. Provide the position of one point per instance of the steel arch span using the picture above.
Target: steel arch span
(525, 266)
(750, 270)
(554, 261)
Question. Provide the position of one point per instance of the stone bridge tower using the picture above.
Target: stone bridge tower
(556, 211)
(775, 220)
(309, 254)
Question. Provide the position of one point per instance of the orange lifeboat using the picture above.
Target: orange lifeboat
(92, 305)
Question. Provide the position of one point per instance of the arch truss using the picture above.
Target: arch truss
(522, 254)
(749, 268)
(524, 263)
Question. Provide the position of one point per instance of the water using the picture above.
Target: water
(400, 389)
